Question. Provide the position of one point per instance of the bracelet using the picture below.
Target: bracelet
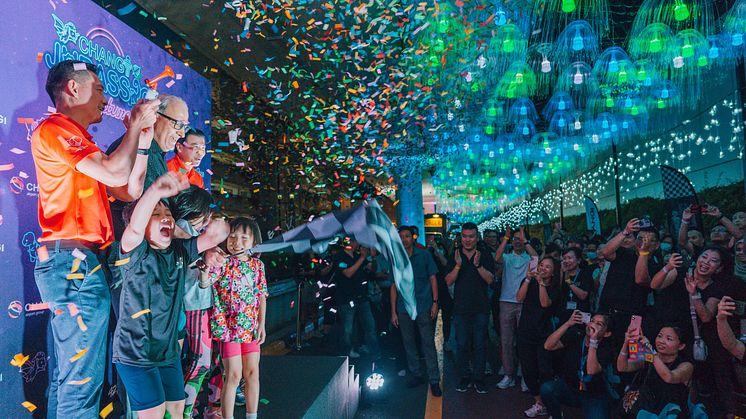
(593, 344)
(143, 151)
(644, 253)
(696, 296)
(626, 233)
(685, 222)
(666, 270)
(457, 267)
(506, 238)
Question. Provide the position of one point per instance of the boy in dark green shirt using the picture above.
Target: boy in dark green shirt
(152, 266)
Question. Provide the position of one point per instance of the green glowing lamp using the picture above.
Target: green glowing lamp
(492, 111)
(508, 45)
(680, 11)
(443, 26)
(656, 45)
(439, 45)
(568, 6)
(642, 74)
(609, 102)
(687, 51)
(702, 61)
(661, 104)
(489, 129)
(623, 76)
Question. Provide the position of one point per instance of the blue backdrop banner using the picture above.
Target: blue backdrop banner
(36, 35)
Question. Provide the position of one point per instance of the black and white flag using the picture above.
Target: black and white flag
(369, 226)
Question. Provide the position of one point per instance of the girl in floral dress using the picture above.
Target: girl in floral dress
(237, 320)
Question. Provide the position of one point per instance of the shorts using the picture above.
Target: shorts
(231, 349)
(148, 387)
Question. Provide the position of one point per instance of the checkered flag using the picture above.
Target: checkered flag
(369, 226)
(679, 194)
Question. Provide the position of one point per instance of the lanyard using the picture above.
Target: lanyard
(570, 294)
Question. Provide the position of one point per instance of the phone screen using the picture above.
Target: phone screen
(533, 263)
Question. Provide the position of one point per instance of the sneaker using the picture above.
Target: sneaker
(506, 382)
(463, 385)
(524, 387)
(240, 398)
(435, 390)
(353, 354)
(536, 410)
(480, 387)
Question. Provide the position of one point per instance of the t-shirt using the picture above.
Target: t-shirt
(569, 301)
(662, 392)
(237, 286)
(423, 267)
(470, 290)
(156, 168)
(349, 289)
(175, 165)
(535, 323)
(672, 303)
(151, 301)
(575, 358)
(515, 268)
(709, 330)
(72, 205)
(621, 292)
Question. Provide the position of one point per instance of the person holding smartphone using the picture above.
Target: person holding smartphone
(515, 268)
(540, 294)
(577, 284)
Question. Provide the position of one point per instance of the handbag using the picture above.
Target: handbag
(699, 348)
(635, 400)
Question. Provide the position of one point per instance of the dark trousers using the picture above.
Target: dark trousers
(471, 333)
(536, 362)
(425, 327)
(557, 392)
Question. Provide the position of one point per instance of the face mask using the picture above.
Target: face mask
(186, 226)
(591, 255)
(666, 247)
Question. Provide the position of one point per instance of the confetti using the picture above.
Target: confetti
(121, 262)
(85, 193)
(140, 313)
(82, 325)
(79, 67)
(106, 411)
(78, 254)
(18, 360)
(94, 270)
(126, 9)
(79, 382)
(79, 354)
(6, 167)
(37, 307)
(15, 150)
(264, 401)
(75, 276)
(76, 265)
(73, 309)
(29, 406)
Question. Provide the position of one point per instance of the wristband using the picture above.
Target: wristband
(143, 151)
(644, 253)
(696, 296)
(457, 267)
(506, 238)
(593, 344)
(626, 233)
(666, 270)
(685, 222)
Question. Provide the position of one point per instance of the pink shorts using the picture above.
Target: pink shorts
(231, 349)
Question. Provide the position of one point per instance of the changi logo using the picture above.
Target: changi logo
(15, 308)
(17, 186)
(121, 78)
(3, 120)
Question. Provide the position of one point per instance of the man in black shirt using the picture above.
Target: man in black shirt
(588, 360)
(622, 296)
(351, 297)
(472, 273)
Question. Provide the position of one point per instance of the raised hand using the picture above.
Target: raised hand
(632, 226)
(457, 258)
(726, 307)
(476, 258)
(675, 261)
(691, 284)
(170, 184)
(143, 114)
(687, 215)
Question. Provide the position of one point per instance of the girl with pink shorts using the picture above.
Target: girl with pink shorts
(237, 320)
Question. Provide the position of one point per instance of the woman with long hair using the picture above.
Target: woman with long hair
(540, 294)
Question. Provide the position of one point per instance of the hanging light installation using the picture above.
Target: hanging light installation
(734, 26)
(522, 108)
(518, 81)
(577, 42)
(578, 81)
(700, 15)
(540, 58)
(560, 101)
(551, 17)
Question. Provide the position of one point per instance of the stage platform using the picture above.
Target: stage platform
(308, 387)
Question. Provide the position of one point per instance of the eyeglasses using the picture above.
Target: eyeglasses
(201, 147)
(175, 122)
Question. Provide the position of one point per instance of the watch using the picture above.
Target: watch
(143, 151)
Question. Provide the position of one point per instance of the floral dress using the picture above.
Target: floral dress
(237, 286)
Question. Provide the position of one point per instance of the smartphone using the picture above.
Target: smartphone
(645, 222)
(635, 322)
(533, 263)
(740, 308)
(586, 317)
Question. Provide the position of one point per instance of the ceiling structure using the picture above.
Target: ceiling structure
(497, 99)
